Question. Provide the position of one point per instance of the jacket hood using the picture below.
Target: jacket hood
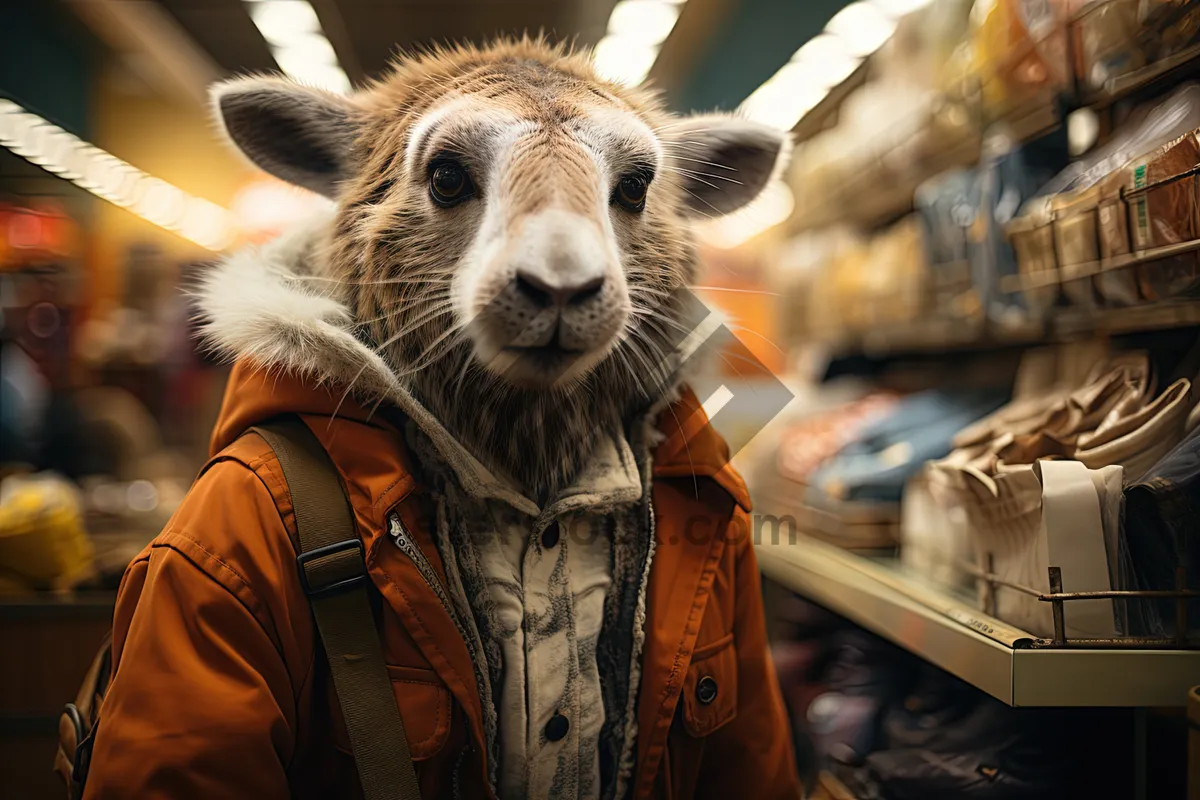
(294, 350)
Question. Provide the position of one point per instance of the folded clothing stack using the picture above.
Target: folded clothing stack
(808, 443)
(853, 497)
(1039, 484)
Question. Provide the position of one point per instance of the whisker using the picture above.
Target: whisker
(737, 291)
(694, 174)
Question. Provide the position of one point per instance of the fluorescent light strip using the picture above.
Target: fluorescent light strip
(636, 31)
(104, 175)
(854, 33)
(293, 33)
(820, 64)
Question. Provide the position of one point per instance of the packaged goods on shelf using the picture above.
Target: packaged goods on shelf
(1020, 53)
(1008, 175)
(946, 206)
(1168, 26)
(797, 274)
(1107, 46)
(888, 725)
(1134, 193)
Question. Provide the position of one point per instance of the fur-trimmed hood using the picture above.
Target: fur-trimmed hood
(267, 308)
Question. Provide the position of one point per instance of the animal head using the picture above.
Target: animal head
(508, 222)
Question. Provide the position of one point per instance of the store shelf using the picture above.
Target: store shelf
(947, 631)
(1165, 72)
(1066, 324)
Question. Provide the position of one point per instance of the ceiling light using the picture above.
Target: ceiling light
(782, 103)
(802, 83)
(624, 60)
(862, 27)
(107, 176)
(647, 22)
(281, 21)
(292, 30)
(312, 48)
(636, 29)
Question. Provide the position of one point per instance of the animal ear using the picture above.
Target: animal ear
(725, 161)
(297, 133)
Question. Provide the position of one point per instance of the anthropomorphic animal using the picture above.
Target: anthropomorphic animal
(484, 333)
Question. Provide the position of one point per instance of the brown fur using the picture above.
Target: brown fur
(394, 256)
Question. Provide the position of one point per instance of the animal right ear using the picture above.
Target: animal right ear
(297, 133)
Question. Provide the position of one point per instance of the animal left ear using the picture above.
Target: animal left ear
(725, 161)
(297, 133)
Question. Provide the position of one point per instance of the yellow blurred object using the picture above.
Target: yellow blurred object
(43, 544)
(1019, 51)
(900, 274)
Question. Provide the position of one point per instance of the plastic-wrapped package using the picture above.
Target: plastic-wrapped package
(947, 205)
(1168, 26)
(1083, 213)
(1162, 211)
(1008, 176)
(1107, 44)
(1162, 196)
(1077, 243)
(1032, 237)
(1118, 287)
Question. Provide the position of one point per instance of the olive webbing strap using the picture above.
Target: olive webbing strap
(333, 573)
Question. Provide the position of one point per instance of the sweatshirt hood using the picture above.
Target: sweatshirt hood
(268, 310)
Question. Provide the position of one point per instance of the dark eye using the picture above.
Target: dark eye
(631, 192)
(449, 184)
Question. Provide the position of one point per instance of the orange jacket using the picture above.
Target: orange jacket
(220, 690)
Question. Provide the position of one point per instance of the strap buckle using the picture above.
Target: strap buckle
(339, 580)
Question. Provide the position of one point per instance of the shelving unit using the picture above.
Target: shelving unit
(941, 626)
(1068, 323)
(949, 632)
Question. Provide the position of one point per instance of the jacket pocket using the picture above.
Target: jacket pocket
(424, 703)
(425, 709)
(710, 688)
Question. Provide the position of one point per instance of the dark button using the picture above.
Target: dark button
(550, 536)
(557, 727)
(706, 689)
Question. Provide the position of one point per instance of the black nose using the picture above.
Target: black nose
(544, 294)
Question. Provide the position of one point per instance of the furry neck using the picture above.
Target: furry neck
(538, 440)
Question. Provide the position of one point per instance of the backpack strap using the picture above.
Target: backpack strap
(333, 572)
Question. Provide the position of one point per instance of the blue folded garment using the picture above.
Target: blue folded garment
(890, 450)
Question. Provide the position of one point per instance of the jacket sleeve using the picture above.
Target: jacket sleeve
(201, 704)
(752, 756)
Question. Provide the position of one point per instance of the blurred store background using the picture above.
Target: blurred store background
(982, 261)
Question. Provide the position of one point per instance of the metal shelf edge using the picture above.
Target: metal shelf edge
(949, 637)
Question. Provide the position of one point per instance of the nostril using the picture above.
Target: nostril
(536, 291)
(581, 294)
(544, 295)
